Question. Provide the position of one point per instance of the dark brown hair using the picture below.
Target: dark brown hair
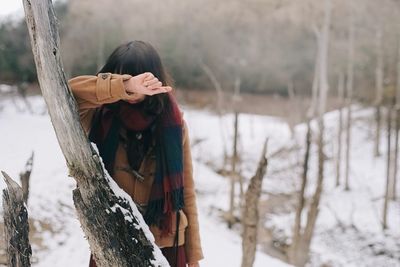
(137, 57)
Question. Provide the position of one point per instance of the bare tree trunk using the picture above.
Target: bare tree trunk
(314, 91)
(396, 152)
(323, 93)
(388, 168)
(218, 89)
(16, 225)
(303, 245)
(349, 89)
(379, 88)
(25, 177)
(378, 115)
(314, 207)
(234, 175)
(236, 100)
(397, 126)
(294, 251)
(250, 212)
(115, 229)
(295, 114)
(340, 127)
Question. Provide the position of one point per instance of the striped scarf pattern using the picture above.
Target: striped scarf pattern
(166, 196)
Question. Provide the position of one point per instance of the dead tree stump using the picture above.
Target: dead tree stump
(16, 226)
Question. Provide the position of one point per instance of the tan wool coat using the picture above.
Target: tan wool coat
(93, 91)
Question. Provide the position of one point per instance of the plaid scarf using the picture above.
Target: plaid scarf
(166, 196)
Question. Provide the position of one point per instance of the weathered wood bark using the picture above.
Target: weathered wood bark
(340, 127)
(250, 212)
(379, 87)
(116, 231)
(16, 225)
(25, 177)
(388, 168)
(349, 91)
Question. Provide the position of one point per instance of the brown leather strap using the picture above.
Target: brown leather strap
(176, 242)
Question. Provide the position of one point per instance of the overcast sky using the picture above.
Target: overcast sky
(10, 7)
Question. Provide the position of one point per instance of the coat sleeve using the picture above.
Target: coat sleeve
(92, 91)
(193, 248)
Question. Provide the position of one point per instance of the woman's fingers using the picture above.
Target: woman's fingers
(154, 86)
(147, 84)
(160, 90)
(148, 76)
(151, 82)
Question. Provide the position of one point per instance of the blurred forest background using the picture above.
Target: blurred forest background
(268, 45)
(319, 79)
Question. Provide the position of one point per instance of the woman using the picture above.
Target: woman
(129, 111)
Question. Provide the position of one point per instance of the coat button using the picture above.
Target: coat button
(139, 136)
(104, 76)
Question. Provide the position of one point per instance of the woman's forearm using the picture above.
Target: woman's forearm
(92, 91)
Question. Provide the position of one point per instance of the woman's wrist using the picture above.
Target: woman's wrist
(127, 87)
(145, 84)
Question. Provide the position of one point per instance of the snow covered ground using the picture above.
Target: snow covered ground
(59, 241)
(348, 230)
(349, 227)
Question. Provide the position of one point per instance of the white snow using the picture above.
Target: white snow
(159, 260)
(359, 242)
(50, 201)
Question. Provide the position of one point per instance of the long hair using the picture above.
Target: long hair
(137, 57)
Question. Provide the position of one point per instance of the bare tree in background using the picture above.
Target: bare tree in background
(323, 94)
(294, 252)
(340, 127)
(397, 125)
(115, 229)
(379, 87)
(250, 216)
(234, 174)
(349, 91)
(388, 167)
(300, 247)
(294, 249)
(220, 105)
(236, 100)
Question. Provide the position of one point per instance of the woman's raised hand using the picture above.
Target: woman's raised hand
(145, 84)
